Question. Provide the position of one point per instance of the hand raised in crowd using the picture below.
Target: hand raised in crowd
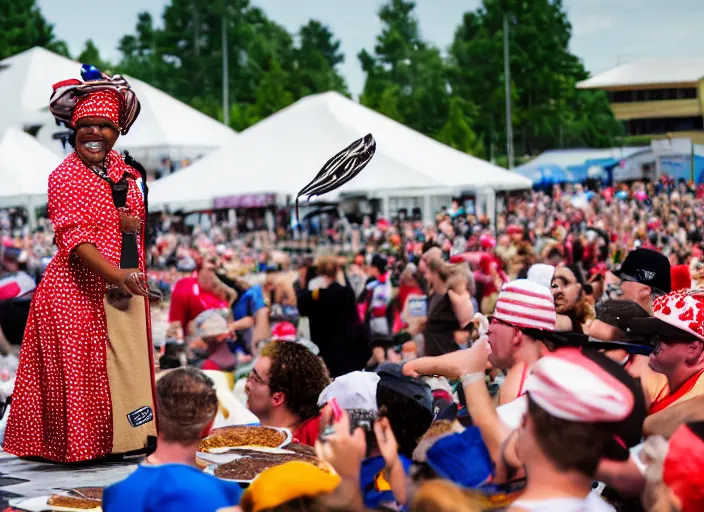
(388, 446)
(344, 451)
(453, 365)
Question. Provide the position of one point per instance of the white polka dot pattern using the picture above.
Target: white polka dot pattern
(107, 104)
(61, 406)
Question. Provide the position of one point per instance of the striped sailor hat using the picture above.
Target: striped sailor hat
(526, 305)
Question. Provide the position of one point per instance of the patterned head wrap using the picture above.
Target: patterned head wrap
(98, 95)
(106, 104)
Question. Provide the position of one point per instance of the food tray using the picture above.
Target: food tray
(211, 471)
(40, 504)
(286, 441)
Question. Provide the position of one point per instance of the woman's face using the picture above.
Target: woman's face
(566, 290)
(95, 137)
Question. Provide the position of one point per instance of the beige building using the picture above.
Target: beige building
(654, 97)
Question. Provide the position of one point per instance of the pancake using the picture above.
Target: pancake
(85, 498)
(249, 467)
(234, 437)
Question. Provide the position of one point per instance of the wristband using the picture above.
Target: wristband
(469, 378)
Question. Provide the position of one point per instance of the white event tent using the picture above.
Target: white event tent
(25, 166)
(165, 126)
(282, 153)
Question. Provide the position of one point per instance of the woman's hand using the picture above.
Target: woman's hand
(393, 472)
(388, 446)
(134, 282)
(342, 450)
(128, 223)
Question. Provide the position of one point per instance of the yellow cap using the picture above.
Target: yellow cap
(286, 482)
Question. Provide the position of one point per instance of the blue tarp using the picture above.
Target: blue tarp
(546, 174)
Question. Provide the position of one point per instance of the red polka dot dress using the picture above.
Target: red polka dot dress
(61, 405)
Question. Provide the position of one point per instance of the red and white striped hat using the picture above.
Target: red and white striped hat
(526, 305)
(568, 385)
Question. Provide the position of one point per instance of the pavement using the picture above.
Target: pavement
(22, 479)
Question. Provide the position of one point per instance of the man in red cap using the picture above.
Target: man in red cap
(678, 325)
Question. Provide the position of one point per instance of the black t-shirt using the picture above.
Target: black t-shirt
(336, 328)
(439, 333)
(13, 318)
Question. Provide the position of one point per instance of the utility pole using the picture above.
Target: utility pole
(225, 72)
(196, 27)
(507, 79)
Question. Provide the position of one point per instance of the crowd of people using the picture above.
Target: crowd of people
(552, 362)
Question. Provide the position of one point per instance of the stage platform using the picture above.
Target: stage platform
(22, 479)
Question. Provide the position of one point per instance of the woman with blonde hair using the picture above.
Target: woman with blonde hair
(443, 496)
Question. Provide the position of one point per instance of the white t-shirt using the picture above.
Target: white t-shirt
(592, 503)
(512, 413)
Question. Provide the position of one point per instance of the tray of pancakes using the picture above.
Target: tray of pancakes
(252, 462)
(81, 499)
(228, 444)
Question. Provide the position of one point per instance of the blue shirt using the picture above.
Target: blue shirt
(170, 488)
(375, 490)
(249, 303)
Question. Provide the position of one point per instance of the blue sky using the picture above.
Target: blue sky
(605, 32)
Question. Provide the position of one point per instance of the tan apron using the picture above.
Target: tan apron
(130, 368)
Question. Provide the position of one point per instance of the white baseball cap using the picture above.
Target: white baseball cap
(210, 323)
(354, 390)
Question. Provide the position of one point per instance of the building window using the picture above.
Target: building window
(681, 93)
(663, 125)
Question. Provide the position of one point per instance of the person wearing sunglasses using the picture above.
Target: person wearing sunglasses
(644, 276)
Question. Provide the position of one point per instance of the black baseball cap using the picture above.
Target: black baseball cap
(648, 267)
(619, 314)
(658, 329)
(391, 377)
(380, 263)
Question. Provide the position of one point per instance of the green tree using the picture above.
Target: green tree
(457, 131)
(317, 57)
(267, 71)
(91, 55)
(272, 94)
(548, 111)
(406, 77)
(22, 27)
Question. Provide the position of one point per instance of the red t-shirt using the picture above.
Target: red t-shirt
(307, 433)
(188, 300)
(210, 365)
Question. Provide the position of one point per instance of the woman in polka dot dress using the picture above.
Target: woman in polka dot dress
(78, 352)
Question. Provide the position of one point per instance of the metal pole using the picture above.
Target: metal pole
(507, 79)
(225, 73)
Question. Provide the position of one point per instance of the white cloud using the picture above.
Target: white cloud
(591, 24)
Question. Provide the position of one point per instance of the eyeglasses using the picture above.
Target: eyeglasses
(254, 376)
(494, 320)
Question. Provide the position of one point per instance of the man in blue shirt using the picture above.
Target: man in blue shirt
(168, 480)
